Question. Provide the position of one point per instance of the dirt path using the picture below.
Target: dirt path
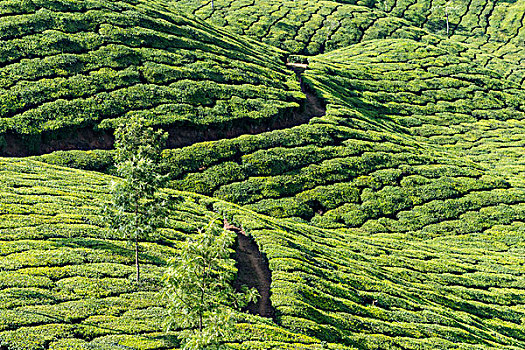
(253, 271)
(88, 139)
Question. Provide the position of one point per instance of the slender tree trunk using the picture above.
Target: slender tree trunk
(448, 27)
(137, 259)
(137, 267)
(212, 4)
(200, 313)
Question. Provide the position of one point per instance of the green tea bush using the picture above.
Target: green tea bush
(66, 69)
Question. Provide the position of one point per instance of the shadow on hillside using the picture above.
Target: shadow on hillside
(30, 294)
(88, 137)
(182, 134)
(253, 271)
(375, 114)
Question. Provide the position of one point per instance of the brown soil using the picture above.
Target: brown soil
(87, 138)
(253, 272)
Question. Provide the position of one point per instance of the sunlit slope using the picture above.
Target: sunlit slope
(301, 27)
(414, 140)
(63, 280)
(488, 32)
(396, 292)
(495, 25)
(65, 65)
(65, 284)
(446, 102)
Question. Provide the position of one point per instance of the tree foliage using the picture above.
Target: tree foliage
(137, 209)
(199, 280)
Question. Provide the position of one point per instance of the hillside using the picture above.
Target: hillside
(65, 281)
(72, 70)
(66, 284)
(439, 98)
(382, 178)
(490, 32)
(407, 126)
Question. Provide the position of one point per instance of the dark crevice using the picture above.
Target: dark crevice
(253, 271)
(314, 105)
(86, 138)
(90, 138)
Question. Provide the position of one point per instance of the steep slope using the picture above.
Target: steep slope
(71, 71)
(300, 27)
(495, 27)
(409, 128)
(393, 219)
(489, 32)
(66, 284)
(392, 291)
(444, 101)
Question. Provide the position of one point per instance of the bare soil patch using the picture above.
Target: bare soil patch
(253, 271)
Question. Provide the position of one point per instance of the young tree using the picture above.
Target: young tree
(137, 210)
(332, 25)
(448, 9)
(201, 298)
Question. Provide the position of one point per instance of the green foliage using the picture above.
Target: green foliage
(407, 197)
(137, 210)
(343, 286)
(201, 298)
(70, 66)
(96, 160)
(489, 33)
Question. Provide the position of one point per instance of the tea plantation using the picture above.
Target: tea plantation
(410, 132)
(491, 32)
(377, 162)
(84, 64)
(67, 284)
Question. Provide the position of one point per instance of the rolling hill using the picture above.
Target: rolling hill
(67, 284)
(375, 162)
(490, 32)
(72, 70)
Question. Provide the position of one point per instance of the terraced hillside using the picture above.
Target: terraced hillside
(438, 97)
(300, 27)
(489, 31)
(66, 284)
(382, 179)
(85, 65)
(493, 25)
(408, 126)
